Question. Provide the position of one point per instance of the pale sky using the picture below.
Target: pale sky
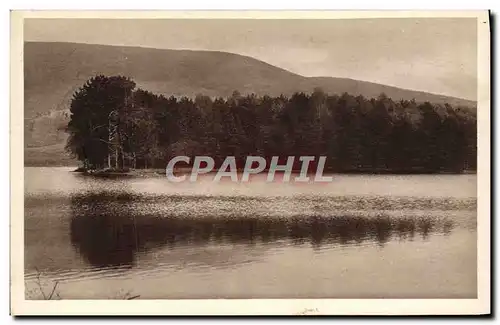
(437, 55)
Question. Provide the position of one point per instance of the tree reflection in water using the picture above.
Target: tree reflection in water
(111, 235)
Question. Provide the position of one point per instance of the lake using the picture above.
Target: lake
(360, 236)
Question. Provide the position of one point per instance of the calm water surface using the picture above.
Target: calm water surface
(357, 237)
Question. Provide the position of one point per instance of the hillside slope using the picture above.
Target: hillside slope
(54, 71)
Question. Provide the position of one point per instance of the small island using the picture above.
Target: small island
(116, 129)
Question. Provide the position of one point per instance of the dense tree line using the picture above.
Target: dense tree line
(113, 124)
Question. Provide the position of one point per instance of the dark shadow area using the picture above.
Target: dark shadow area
(111, 235)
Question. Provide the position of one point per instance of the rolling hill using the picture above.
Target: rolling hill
(54, 71)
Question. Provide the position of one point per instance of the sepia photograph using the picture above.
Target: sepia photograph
(315, 161)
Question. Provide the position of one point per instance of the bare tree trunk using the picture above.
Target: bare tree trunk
(116, 157)
(109, 141)
(120, 158)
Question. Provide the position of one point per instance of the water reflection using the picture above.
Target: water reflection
(108, 235)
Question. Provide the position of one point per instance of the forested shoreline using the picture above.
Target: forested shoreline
(115, 125)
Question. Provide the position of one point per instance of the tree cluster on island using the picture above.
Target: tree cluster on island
(114, 125)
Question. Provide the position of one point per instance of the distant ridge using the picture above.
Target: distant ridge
(54, 70)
